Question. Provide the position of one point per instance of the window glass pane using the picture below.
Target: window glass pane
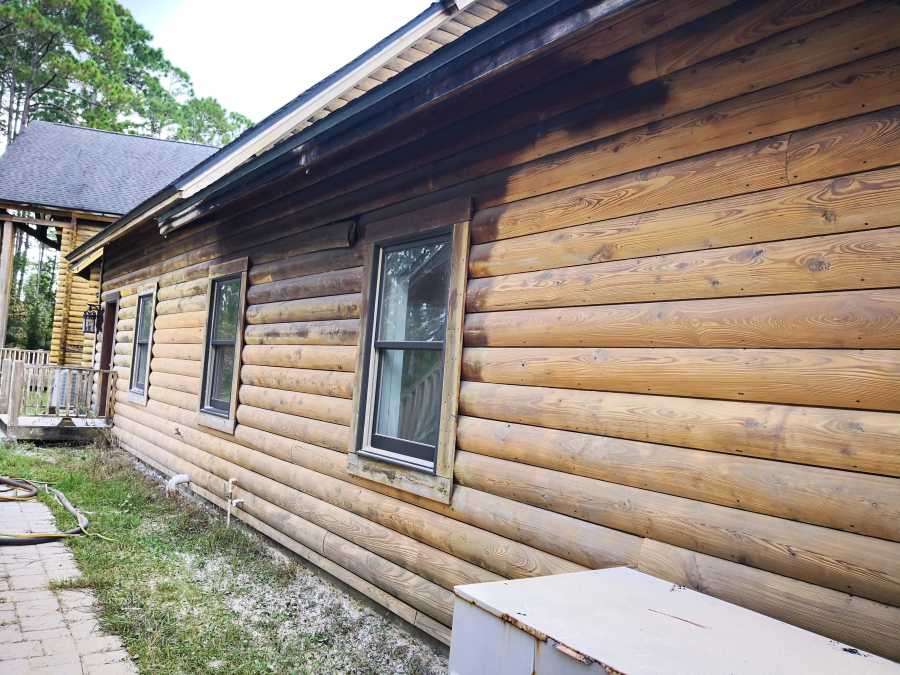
(409, 394)
(222, 377)
(140, 366)
(415, 282)
(225, 312)
(143, 327)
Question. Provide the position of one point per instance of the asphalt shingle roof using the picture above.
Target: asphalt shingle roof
(69, 167)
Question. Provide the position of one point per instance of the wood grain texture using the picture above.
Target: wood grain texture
(843, 439)
(854, 260)
(321, 382)
(176, 366)
(817, 99)
(858, 202)
(184, 320)
(845, 320)
(183, 383)
(336, 332)
(335, 282)
(192, 303)
(297, 266)
(193, 352)
(851, 563)
(315, 406)
(865, 379)
(305, 357)
(857, 503)
(180, 399)
(179, 336)
(310, 309)
(308, 430)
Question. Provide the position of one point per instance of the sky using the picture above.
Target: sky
(254, 56)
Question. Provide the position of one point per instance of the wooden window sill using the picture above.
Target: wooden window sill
(224, 424)
(430, 486)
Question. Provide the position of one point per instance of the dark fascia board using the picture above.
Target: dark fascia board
(484, 51)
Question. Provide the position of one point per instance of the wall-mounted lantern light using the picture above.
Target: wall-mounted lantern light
(92, 319)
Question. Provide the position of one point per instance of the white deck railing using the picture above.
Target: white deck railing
(29, 390)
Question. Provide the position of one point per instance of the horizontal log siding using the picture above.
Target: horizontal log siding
(681, 347)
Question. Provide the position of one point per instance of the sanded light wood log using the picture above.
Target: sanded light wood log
(183, 289)
(192, 303)
(124, 336)
(326, 434)
(862, 201)
(188, 402)
(325, 383)
(312, 263)
(338, 332)
(818, 98)
(834, 262)
(853, 502)
(755, 166)
(843, 561)
(335, 282)
(184, 320)
(843, 439)
(424, 595)
(177, 351)
(309, 309)
(125, 325)
(325, 408)
(178, 336)
(867, 319)
(491, 552)
(838, 378)
(183, 383)
(127, 301)
(307, 356)
(123, 348)
(869, 625)
(844, 146)
(176, 366)
(127, 312)
(122, 359)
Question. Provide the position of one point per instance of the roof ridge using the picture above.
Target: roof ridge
(122, 133)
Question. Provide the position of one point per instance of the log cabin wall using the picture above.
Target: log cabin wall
(682, 331)
(68, 346)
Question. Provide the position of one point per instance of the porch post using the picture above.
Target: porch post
(6, 270)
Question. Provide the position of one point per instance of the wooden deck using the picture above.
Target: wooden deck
(53, 428)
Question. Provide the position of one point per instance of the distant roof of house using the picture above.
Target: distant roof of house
(66, 167)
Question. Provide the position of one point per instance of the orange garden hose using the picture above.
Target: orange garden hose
(17, 490)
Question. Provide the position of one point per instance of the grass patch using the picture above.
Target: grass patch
(188, 595)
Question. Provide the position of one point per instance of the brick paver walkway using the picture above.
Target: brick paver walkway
(44, 631)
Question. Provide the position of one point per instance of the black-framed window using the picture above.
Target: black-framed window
(409, 327)
(140, 359)
(221, 344)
